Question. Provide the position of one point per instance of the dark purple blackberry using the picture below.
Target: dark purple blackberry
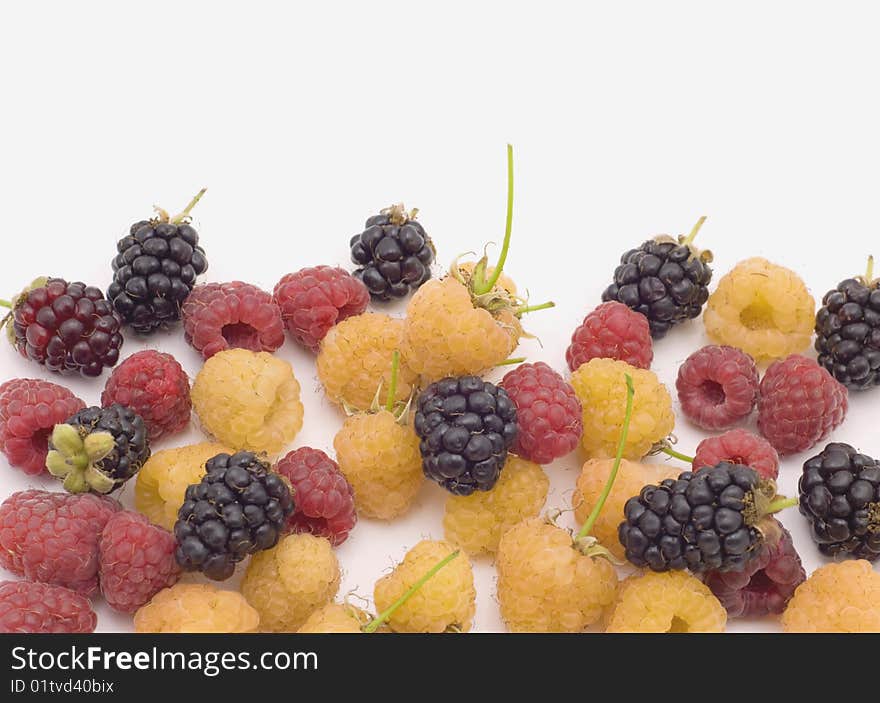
(700, 521)
(840, 497)
(155, 269)
(665, 279)
(239, 508)
(848, 331)
(394, 254)
(466, 426)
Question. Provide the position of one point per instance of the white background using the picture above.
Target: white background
(628, 119)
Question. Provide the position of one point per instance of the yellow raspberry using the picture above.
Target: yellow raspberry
(546, 585)
(380, 459)
(196, 607)
(476, 522)
(762, 308)
(248, 400)
(161, 483)
(289, 582)
(335, 617)
(446, 602)
(601, 388)
(631, 478)
(673, 601)
(842, 597)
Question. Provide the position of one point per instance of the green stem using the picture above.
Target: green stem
(383, 617)
(511, 362)
(192, 203)
(392, 386)
(505, 246)
(5, 304)
(869, 274)
(676, 455)
(693, 235)
(780, 504)
(621, 443)
(534, 308)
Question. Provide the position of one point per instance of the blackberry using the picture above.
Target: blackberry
(665, 279)
(848, 331)
(394, 253)
(839, 492)
(239, 508)
(98, 449)
(156, 268)
(708, 520)
(466, 426)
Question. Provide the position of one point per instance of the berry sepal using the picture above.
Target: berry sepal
(77, 457)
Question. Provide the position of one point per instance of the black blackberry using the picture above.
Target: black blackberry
(848, 331)
(665, 279)
(466, 426)
(239, 508)
(155, 269)
(98, 449)
(840, 497)
(394, 253)
(699, 521)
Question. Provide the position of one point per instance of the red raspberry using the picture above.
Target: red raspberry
(612, 331)
(324, 499)
(765, 585)
(136, 561)
(800, 403)
(548, 412)
(717, 387)
(29, 409)
(53, 537)
(220, 316)
(738, 447)
(312, 300)
(28, 608)
(156, 387)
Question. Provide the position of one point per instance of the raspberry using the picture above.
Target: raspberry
(355, 360)
(28, 608)
(761, 308)
(545, 585)
(248, 400)
(136, 561)
(156, 387)
(66, 327)
(29, 409)
(600, 386)
(766, 584)
(476, 522)
(670, 602)
(717, 387)
(53, 537)
(548, 412)
(738, 447)
(631, 477)
(444, 603)
(335, 618)
(799, 404)
(612, 331)
(236, 315)
(163, 480)
(324, 498)
(288, 583)
(312, 300)
(842, 597)
(196, 608)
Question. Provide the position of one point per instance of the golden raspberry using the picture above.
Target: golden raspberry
(601, 387)
(446, 602)
(673, 601)
(196, 607)
(248, 400)
(546, 585)
(631, 478)
(445, 335)
(335, 617)
(355, 358)
(161, 483)
(289, 582)
(380, 459)
(476, 522)
(842, 597)
(763, 309)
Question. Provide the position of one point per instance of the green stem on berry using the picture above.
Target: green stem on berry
(505, 245)
(534, 308)
(618, 457)
(693, 234)
(392, 385)
(780, 504)
(383, 617)
(512, 362)
(5, 304)
(177, 219)
(869, 273)
(666, 449)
